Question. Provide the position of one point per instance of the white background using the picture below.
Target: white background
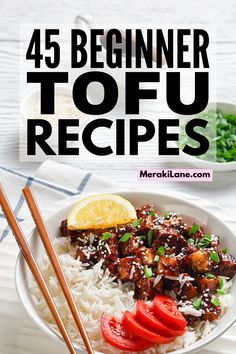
(216, 12)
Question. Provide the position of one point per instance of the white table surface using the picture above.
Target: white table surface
(220, 13)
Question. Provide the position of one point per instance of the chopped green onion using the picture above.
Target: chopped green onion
(125, 237)
(220, 292)
(215, 302)
(161, 251)
(197, 303)
(136, 222)
(106, 235)
(191, 241)
(156, 259)
(221, 129)
(142, 237)
(148, 272)
(205, 241)
(194, 229)
(166, 215)
(225, 250)
(221, 285)
(150, 237)
(215, 257)
(210, 276)
(153, 213)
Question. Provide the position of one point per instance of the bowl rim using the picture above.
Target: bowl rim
(52, 333)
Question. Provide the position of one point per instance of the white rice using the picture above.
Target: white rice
(95, 293)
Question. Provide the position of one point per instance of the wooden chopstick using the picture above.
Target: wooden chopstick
(46, 239)
(30, 260)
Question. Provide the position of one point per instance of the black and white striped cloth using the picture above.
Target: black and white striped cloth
(52, 182)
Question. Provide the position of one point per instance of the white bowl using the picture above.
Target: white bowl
(163, 203)
(215, 166)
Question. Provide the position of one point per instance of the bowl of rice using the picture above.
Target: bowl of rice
(96, 292)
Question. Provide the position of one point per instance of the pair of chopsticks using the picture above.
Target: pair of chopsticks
(30, 260)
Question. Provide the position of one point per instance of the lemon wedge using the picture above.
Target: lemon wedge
(100, 211)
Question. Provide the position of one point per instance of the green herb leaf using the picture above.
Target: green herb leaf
(161, 251)
(205, 241)
(150, 237)
(222, 281)
(210, 276)
(194, 229)
(191, 241)
(125, 237)
(220, 292)
(225, 250)
(166, 215)
(197, 303)
(142, 237)
(152, 212)
(147, 272)
(215, 302)
(156, 259)
(106, 235)
(215, 257)
(136, 222)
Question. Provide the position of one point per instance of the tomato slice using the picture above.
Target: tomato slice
(134, 327)
(114, 333)
(166, 310)
(145, 315)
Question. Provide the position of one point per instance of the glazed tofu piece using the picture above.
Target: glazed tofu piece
(146, 255)
(189, 291)
(129, 247)
(81, 255)
(184, 290)
(198, 234)
(172, 285)
(168, 266)
(129, 269)
(113, 267)
(227, 265)
(112, 254)
(191, 319)
(144, 214)
(64, 229)
(204, 284)
(145, 289)
(215, 242)
(174, 221)
(73, 234)
(211, 312)
(113, 249)
(200, 262)
(171, 239)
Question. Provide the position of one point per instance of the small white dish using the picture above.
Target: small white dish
(64, 109)
(163, 203)
(215, 166)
